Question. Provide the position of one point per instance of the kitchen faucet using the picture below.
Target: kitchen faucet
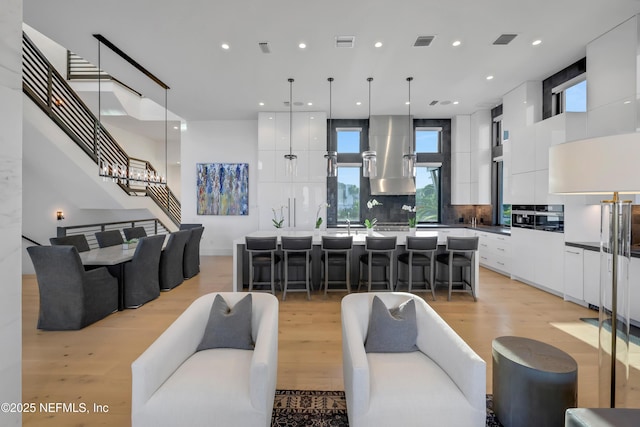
(348, 227)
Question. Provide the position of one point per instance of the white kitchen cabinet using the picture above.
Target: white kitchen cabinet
(634, 288)
(591, 274)
(266, 131)
(549, 260)
(522, 249)
(522, 149)
(495, 251)
(522, 188)
(574, 272)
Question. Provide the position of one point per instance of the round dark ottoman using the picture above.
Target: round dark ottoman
(533, 383)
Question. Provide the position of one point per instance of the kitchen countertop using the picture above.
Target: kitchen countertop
(595, 247)
(496, 229)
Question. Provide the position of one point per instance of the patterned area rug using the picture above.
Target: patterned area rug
(292, 408)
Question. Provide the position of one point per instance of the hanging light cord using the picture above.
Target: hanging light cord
(330, 114)
(369, 79)
(166, 156)
(410, 130)
(290, 117)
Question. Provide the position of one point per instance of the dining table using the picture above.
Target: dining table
(110, 256)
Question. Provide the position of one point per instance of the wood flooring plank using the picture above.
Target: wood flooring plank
(94, 365)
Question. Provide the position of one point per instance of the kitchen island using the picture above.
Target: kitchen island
(241, 263)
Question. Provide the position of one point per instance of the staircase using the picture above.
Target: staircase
(44, 85)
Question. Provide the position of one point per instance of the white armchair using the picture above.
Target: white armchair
(173, 385)
(442, 384)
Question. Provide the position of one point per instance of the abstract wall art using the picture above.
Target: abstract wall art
(223, 188)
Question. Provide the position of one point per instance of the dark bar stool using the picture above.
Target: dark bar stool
(262, 253)
(336, 252)
(461, 252)
(297, 253)
(379, 254)
(421, 252)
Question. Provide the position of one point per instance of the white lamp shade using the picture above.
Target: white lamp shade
(602, 165)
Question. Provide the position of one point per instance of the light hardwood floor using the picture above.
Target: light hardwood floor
(93, 365)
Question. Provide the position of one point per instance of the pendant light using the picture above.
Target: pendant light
(409, 158)
(331, 156)
(369, 169)
(290, 167)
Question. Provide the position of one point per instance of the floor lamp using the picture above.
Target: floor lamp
(608, 166)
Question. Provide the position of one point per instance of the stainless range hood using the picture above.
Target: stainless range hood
(389, 137)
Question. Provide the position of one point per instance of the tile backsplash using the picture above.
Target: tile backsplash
(464, 213)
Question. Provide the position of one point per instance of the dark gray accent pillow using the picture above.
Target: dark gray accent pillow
(392, 330)
(228, 328)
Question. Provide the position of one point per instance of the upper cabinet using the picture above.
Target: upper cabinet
(471, 159)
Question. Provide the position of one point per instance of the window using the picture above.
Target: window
(427, 194)
(348, 193)
(427, 140)
(575, 97)
(504, 210)
(348, 140)
(570, 96)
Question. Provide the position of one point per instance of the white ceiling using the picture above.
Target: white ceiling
(179, 42)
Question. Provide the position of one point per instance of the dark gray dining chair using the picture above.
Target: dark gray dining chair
(77, 240)
(379, 254)
(134, 233)
(297, 254)
(141, 274)
(109, 238)
(191, 261)
(421, 253)
(70, 297)
(262, 254)
(461, 253)
(171, 273)
(336, 254)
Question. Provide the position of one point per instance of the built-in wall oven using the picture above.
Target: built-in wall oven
(538, 217)
(523, 216)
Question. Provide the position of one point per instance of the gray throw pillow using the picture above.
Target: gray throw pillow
(392, 330)
(228, 328)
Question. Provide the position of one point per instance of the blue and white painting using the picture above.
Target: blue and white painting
(223, 188)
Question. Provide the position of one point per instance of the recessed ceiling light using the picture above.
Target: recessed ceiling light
(627, 102)
(489, 77)
(456, 43)
(536, 42)
(270, 118)
(175, 127)
(378, 44)
(407, 103)
(358, 103)
(455, 102)
(311, 117)
(225, 46)
(261, 104)
(309, 104)
(302, 46)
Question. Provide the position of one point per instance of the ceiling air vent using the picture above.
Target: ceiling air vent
(264, 47)
(422, 41)
(434, 102)
(505, 39)
(345, 41)
(296, 103)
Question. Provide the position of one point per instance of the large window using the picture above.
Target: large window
(348, 140)
(427, 194)
(348, 193)
(427, 140)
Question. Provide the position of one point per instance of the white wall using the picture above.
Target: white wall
(55, 53)
(219, 141)
(11, 207)
(58, 175)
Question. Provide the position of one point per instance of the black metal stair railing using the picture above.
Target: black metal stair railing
(50, 91)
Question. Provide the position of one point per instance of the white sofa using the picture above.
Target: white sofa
(172, 385)
(443, 384)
